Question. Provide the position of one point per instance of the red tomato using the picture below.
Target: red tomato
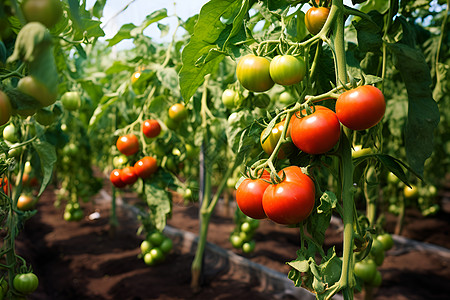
(292, 200)
(249, 196)
(316, 133)
(151, 128)
(361, 108)
(315, 18)
(145, 167)
(115, 178)
(128, 144)
(128, 175)
(4, 184)
(253, 73)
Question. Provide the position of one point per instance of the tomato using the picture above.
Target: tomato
(316, 133)
(392, 178)
(253, 72)
(286, 98)
(146, 246)
(248, 247)
(377, 279)
(359, 151)
(411, 192)
(171, 124)
(27, 181)
(236, 241)
(151, 128)
(128, 175)
(246, 227)
(145, 167)
(361, 108)
(71, 101)
(31, 86)
(9, 133)
(25, 202)
(157, 254)
(378, 258)
(315, 18)
(156, 238)
(5, 108)
(292, 200)
(120, 161)
(25, 283)
(228, 98)
(128, 144)
(249, 196)
(115, 179)
(166, 245)
(191, 151)
(135, 76)
(377, 247)
(271, 142)
(178, 112)
(366, 270)
(6, 187)
(287, 69)
(386, 240)
(47, 12)
(45, 117)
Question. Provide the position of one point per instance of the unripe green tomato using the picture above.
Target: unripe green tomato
(391, 178)
(71, 101)
(27, 168)
(246, 236)
(379, 258)
(156, 238)
(249, 247)
(120, 161)
(171, 124)
(187, 194)
(9, 133)
(157, 254)
(261, 100)
(386, 240)
(366, 270)
(228, 98)
(67, 216)
(286, 98)
(287, 69)
(377, 247)
(246, 227)
(166, 246)
(5, 109)
(377, 279)
(236, 241)
(47, 12)
(31, 86)
(178, 112)
(148, 259)
(77, 215)
(25, 283)
(146, 246)
(253, 73)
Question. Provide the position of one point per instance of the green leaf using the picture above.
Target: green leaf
(423, 112)
(169, 79)
(300, 264)
(158, 202)
(369, 34)
(47, 155)
(101, 109)
(320, 218)
(123, 34)
(197, 58)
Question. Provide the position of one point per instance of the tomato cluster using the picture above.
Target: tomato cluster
(73, 212)
(242, 236)
(155, 248)
(287, 202)
(143, 168)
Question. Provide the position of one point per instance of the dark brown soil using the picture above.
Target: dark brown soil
(82, 260)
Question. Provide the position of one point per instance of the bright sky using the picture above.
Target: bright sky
(139, 9)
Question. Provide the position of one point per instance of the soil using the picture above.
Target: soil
(84, 260)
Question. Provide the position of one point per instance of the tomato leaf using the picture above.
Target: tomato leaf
(47, 155)
(158, 201)
(320, 218)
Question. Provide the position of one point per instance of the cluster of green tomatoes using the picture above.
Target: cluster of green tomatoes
(155, 248)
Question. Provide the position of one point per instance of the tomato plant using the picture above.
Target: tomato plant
(287, 69)
(26, 283)
(128, 144)
(317, 132)
(315, 18)
(151, 128)
(361, 108)
(292, 200)
(253, 72)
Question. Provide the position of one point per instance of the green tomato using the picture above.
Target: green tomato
(27, 168)
(25, 283)
(5, 108)
(157, 254)
(146, 246)
(286, 98)
(148, 259)
(366, 270)
(411, 192)
(178, 112)
(391, 178)
(377, 279)
(31, 86)
(45, 117)
(166, 246)
(236, 240)
(120, 161)
(78, 215)
(379, 258)
(171, 124)
(287, 69)
(47, 12)
(71, 101)
(228, 98)
(253, 73)
(156, 238)
(67, 216)
(246, 227)
(377, 248)
(9, 133)
(246, 236)
(249, 247)
(386, 240)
